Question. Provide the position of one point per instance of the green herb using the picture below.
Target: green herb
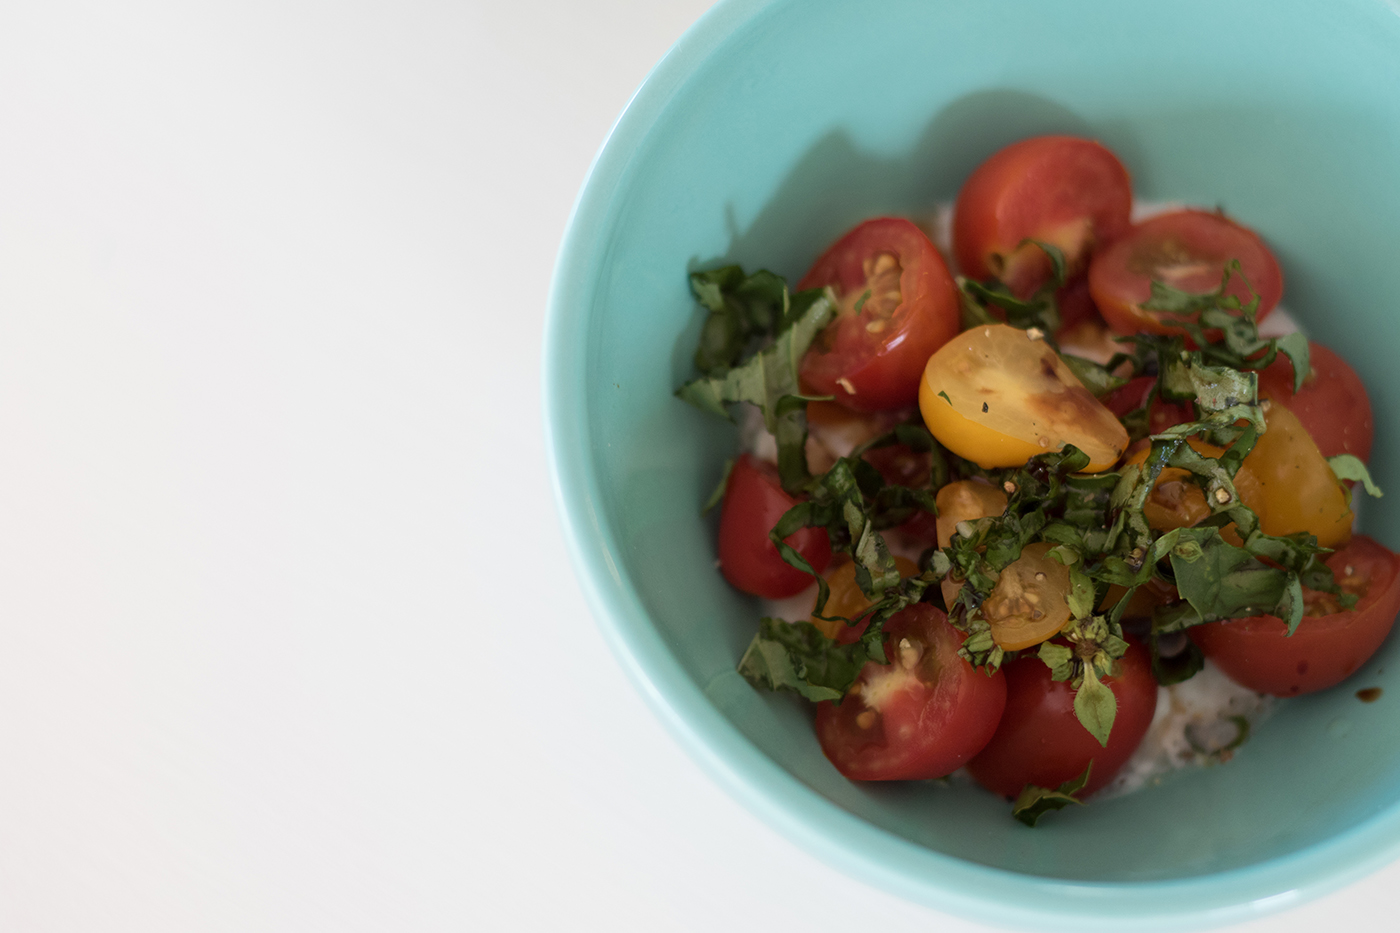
(1346, 466)
(1034, 802)
(717, 496)
(769, 380)
(797, 656)
(743, 308)
(1039, 311)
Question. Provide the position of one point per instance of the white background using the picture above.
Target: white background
(290, 637)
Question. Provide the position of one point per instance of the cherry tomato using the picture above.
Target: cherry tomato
(921, 716)
(963, 501)
(1178, 502)
(1332, 405)
(754, 501)
(846, 599)
(1298, 490)
(1162, 415)
(1330, 644)
(898, 304)
(1187, 250)
(1040, 740)
(1070, 192)
(998, 397)
(1028, 604)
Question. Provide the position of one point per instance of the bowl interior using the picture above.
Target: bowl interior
(775, 126)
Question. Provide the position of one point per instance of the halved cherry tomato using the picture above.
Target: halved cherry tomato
(846, 599)
(998, 397)
(1297, 488)
(1332, 405)
(898, 304)
(1178, 502)
(1162, 415)
(754, 501)
(1040, 740)
(1187, 250)
(1070, 192)
(921, 716)
(1330, 644)
(963, 501)
(1029, 603)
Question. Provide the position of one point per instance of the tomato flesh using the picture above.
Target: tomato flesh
(754, 501)
(1332, 404)
(1187, 250)
(1070, 192)
(921, 716)
(897, 304)
(1330, 644)
(998, 397)
(1041, 741)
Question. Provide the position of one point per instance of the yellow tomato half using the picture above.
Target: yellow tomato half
(964, 501)
(1298, 488)
(1028, 604)
(997, 397)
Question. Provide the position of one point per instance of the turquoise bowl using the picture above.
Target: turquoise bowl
(771, 127)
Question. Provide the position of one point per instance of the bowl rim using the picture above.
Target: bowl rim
(876, 856)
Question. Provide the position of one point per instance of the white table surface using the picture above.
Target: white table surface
(290, 637)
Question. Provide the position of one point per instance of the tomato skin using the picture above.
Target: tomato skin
(1332, 405)
(913, 721)
(1188, 250)
(1068, 191)
(754, 501)
(1160, 416)
(871, 359)
(1040, 741)
(1258, 652)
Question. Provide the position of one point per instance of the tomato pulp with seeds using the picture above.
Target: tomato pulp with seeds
(1069, 192)
(1330, 644)
(921, 716)
(1040, 740)
(897, 304)
(754, 501)
(1188, 250)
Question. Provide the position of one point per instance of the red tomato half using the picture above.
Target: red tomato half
(1329, 645)
(898, 304)
(922, 716)
(1187, 250)
(1073, 193)
(1333, 405)
(1041, 741)
(1130, 397)
(754, 501)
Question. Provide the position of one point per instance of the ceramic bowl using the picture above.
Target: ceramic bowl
(771, 127)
